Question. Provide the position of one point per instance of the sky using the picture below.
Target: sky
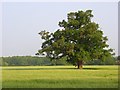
(0, 29)
(22, 21)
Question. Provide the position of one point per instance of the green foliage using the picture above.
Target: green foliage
(42, 61)
(80, 39)
(118, 57)
(0, 61)
(108, 61)
(25, 60)
(30, 61)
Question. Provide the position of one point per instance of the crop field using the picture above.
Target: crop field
(59, 77)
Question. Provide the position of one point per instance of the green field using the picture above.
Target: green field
(59, 77)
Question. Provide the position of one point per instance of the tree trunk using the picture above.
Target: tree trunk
(80, 64)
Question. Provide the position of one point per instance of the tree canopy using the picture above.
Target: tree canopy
(79, 39)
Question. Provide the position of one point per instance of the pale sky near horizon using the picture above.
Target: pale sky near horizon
(23, 21)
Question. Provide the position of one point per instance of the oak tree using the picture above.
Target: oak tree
(79, 39)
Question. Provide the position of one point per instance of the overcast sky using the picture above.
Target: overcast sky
(24, 20)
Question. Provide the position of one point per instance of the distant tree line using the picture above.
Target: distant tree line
(44, 61)
(29, 61)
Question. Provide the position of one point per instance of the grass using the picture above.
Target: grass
(59, 77)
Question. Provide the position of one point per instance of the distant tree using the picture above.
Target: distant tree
(79, 39)
(1, 61)
(118, 58)
(25, 60)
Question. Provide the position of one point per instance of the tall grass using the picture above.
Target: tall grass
(60, 77)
